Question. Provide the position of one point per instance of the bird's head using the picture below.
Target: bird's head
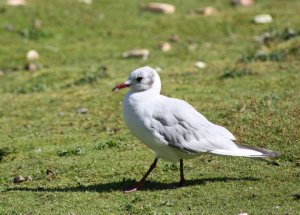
(141, 79)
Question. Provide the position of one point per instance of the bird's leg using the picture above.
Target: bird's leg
(142, 181)
(182, 180)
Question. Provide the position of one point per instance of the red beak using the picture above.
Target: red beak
(120, 86)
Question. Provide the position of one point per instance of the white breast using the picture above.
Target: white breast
(137, 116)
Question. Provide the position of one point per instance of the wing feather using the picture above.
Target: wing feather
(182, 127)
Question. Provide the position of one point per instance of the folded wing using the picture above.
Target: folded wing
(180, 126)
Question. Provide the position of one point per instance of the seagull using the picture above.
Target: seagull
(172, 128)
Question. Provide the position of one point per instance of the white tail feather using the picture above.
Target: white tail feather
(247, 151)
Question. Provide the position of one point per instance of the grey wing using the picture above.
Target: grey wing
(180, 126)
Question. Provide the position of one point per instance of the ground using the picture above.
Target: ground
(80, 162)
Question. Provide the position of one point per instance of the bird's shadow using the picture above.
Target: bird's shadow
(123, 185)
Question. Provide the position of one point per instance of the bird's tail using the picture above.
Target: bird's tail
(247, 151)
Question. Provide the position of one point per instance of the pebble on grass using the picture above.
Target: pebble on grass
(50, 174)
(200, 65)
(158, 69)
(206, 11)
(174, 39)
(32, 55)
(31, 67)
(38, 24)
(136, 53)
(165, 47)
(160, 8)
(15, 2)
(19, 179)
(82, 110)
(192, 46)
(246, 3)
(29, 178)
(61, 113)
(263, 19)
(86, 1)
(9, 27)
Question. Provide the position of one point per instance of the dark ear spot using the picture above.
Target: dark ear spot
(139, 79)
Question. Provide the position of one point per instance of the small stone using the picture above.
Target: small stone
(243, 214)
(165, 47)
(37, 24)
(61, 113)
(290, 33)
(246, 3)
(243, 108)
(50, 173)
(264, 38)
(174, 39)
(1, 73)
(15, 2)
(179, 213)
(263, 19)
(38, 150)
(9, 27)
(82, 110)
(29, 178)
(158, 69)
(207, 11)
(160, 8)
(19, 179)
(200, 65)
(136, 53)
(32, 55)
(86, 1)
(31, 67)
(192, 46)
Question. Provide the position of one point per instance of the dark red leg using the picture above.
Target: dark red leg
(182, 180)
(140, 184)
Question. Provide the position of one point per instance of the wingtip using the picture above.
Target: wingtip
(274, 154)
(264, 152)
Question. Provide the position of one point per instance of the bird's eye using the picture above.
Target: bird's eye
(139, 79)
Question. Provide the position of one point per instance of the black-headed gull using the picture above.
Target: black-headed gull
(172, 128)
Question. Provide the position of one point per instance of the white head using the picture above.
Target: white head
(141, 79)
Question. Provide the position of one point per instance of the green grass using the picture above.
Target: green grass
(93, 155)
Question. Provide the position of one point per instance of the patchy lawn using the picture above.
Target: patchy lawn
(61, 127)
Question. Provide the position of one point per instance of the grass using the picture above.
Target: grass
(92, 156)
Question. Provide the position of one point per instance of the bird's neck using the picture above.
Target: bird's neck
(156, 86)
(142, 96)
